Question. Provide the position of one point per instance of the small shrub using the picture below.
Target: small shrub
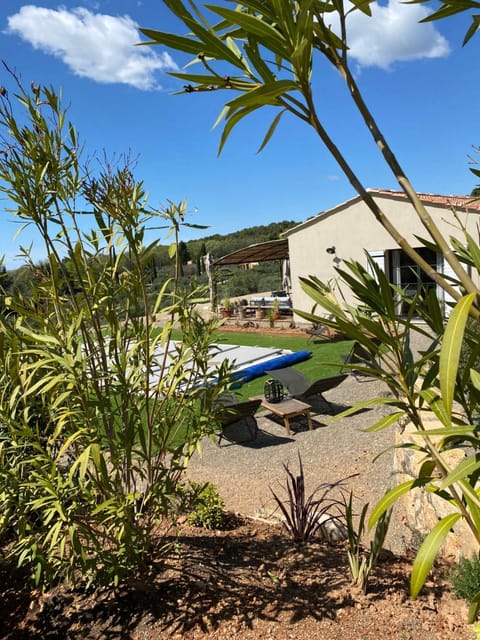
(271, 318)
(209, 510)
(361, 563)
(465, 579)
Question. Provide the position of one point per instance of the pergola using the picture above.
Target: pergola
(260, 252)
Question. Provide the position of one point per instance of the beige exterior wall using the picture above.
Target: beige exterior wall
(352, 229)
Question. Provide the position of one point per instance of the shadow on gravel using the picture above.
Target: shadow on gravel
(266, 439)
(263, 439)
(297, 425)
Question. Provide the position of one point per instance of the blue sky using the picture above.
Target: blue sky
(419, 81)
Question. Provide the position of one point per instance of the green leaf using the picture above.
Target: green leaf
(389, 499)
(436, 404)
(363, 6)
(232, 120)
(474, 608)
(301, 57)
(473, 504)
(261, 67)
(427, 468)
(462, 470)
(472, 30)
(475, 378)
(82, 462)
(385, 422)
(264, 94)
(271, 130)
(270, 36)
(447, 9)
(53, 534)
(428, 552)
(285, 20)
(191, 225)
(179, 43)
(68, 443)
(474, 250)
(41, 337)
(451, 349)
(448, 432)
(209, 44)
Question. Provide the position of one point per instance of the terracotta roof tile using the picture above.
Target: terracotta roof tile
(467, 202)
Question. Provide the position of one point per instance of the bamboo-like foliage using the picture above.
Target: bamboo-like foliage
(269, 53)
(451, 7)
(434, 382)
(96, 426)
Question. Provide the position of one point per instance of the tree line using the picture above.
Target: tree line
(232, 281)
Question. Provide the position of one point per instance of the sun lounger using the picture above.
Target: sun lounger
(359, 360)
(319, 331)
(234, 415)
(299, 386)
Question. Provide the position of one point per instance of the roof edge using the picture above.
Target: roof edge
(445, 201)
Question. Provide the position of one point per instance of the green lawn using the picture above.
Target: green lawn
(326, 357)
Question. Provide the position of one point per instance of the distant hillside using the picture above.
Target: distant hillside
(220, 245)
(234, 281)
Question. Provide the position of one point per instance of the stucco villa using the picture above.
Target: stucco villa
(349, 229)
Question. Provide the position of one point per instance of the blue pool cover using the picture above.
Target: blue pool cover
(257, 370)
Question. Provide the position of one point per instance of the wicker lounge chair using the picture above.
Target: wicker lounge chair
(299, 386)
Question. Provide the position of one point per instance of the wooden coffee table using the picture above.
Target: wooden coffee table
(289, 408)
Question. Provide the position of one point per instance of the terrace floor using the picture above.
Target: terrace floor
(245, 474)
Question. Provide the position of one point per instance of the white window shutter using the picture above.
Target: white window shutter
(378, 257)
(446, 270)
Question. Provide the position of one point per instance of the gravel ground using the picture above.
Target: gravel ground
(245, 473)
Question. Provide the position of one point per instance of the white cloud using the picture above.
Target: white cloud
(393, 34)
(92, 45)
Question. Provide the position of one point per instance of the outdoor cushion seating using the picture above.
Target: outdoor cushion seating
(234, 414)
(299, 386)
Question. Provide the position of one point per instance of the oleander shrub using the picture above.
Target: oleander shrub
(100, 409)
(259, 38)
(470, 359)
